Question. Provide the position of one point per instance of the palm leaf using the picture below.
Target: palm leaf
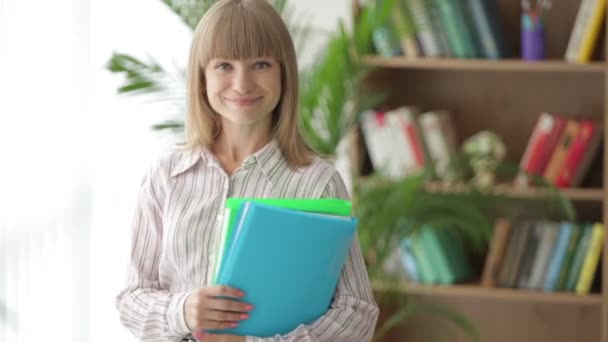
(174, 125)
(140, 77)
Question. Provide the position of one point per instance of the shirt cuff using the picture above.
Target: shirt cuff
(176, 317)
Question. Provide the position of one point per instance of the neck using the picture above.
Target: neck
(234, 144)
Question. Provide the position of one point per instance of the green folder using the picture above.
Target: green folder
(329, 206)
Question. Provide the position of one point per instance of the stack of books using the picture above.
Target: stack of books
(287, 256)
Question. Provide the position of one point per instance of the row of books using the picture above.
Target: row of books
(560, 149)
(403, 140)
(442, 28)
(543, 255)
(431, 256)
(471, 29)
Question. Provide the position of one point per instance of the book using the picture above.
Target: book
(427, 274)
(496, 252)
(539, 149)
(322, 205)
(423, 26)
(585, 30)
(543, 256)
(579, 257)
(407, 139)
(453, 17)
(377, 135)
(557, 258)
(591, 259)
(487, 27)
(580, 154)
(405, 30)
(288, 263)
(561, 150)
(439, 136)
(530, 254)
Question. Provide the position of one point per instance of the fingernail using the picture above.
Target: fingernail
(198, 335)
(244, 316)
(233, 325)
(241, 294)
(248, 307)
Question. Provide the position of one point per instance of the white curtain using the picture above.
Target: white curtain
(72, 154)
(44, 191)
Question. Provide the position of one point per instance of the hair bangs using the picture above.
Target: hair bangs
(241, 32)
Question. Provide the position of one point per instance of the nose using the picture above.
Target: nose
(243, 81)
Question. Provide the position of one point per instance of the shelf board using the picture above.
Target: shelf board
(509, 65)
(574, 194)
(477, 292)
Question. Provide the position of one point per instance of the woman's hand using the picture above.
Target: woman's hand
(203, 337)
(204, 311)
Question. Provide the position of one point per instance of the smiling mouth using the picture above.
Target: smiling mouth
(244, 101)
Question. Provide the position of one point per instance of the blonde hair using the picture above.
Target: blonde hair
(240, 29)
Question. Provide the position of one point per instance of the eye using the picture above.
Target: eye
(261, 65)
(223, 66)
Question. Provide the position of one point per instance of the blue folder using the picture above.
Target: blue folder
(288, 263)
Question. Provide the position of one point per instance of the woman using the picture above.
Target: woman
(242, 141)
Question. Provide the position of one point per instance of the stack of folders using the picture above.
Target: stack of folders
(287, 256)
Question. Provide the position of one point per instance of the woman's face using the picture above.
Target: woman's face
(243, 92)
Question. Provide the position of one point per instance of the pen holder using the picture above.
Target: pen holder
(532, 38)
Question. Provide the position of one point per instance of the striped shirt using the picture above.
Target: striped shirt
(176, 235)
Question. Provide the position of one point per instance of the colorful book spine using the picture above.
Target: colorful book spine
(487, 26)
(580, 155)
(542, 142)
(453, 17)
(579, 257)
(585, 31)
(405, 30)
(557, 258)
(496, 253)
(561, 150)
(591, 259)
(424, 28)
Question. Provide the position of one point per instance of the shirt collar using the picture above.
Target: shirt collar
(188, 159)
(192, 156)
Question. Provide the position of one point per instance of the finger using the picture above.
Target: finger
(199, 335)
(226, 316)
(228, 305)
(217, 325)
(224, 291)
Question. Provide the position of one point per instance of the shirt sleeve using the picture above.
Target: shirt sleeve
(151, 313)
(353, 312)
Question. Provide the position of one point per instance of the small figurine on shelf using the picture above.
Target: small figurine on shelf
(532, 29)
(485, 150)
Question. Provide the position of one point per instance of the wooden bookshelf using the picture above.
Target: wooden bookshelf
(478, 292)
(506, 96)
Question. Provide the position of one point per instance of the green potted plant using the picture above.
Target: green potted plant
(390, 211)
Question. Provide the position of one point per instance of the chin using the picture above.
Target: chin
(248, 118)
